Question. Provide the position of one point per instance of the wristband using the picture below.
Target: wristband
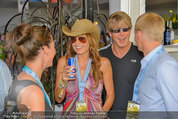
(61, 93)
(61, 84)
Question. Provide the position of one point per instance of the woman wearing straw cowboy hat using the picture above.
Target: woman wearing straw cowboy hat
(83, 93)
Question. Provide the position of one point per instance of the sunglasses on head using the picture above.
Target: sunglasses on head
(81, 39)
(118, 30)
(44, 34)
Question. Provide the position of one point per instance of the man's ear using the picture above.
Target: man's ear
(140, 35)
(143, 35)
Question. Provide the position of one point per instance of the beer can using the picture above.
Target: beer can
(71, 62)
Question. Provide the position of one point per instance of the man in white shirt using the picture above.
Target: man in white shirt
(5, 83)
(156, 86)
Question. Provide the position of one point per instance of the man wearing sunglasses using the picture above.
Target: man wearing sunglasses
(124, 57)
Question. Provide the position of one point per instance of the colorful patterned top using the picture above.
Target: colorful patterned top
(92, 96)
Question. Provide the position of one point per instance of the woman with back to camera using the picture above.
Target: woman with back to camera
(83, 93)
(34, 46)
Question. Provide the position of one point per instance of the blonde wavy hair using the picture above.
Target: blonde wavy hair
(117, 19)
(94, 55)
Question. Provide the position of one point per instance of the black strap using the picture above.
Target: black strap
(17, 86)
(10, 101)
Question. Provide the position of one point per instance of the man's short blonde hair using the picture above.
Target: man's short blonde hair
(151, 25)
(118, 19)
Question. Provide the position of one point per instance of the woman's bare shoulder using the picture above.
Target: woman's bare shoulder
(32, 91)
(32, 97)
(104, 62)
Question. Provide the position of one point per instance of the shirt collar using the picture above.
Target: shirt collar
(148, 57)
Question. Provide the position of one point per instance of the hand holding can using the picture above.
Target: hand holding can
(71, 62)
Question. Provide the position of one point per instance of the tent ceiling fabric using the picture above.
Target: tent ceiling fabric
(156, 2)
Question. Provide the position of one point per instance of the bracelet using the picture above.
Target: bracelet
(61, 84)
(61, 93)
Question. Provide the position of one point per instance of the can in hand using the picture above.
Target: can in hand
(71, 62)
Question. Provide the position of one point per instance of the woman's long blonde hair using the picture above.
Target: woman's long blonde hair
(94, 55)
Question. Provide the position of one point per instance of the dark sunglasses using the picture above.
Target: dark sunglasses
(81, 39)
(118, 30)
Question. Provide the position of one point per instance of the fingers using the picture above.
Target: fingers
(68, 73)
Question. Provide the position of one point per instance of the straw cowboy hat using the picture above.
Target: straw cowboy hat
(81, 27)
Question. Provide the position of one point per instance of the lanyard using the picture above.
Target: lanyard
(142, 74)
(34, 75)
(82, 83)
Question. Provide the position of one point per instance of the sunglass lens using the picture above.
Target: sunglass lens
(116, 31)
(73, 39)
(125, 29)
(82, 39)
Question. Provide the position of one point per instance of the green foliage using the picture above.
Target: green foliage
(48, 81)
(174, 19)
(2, 52)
